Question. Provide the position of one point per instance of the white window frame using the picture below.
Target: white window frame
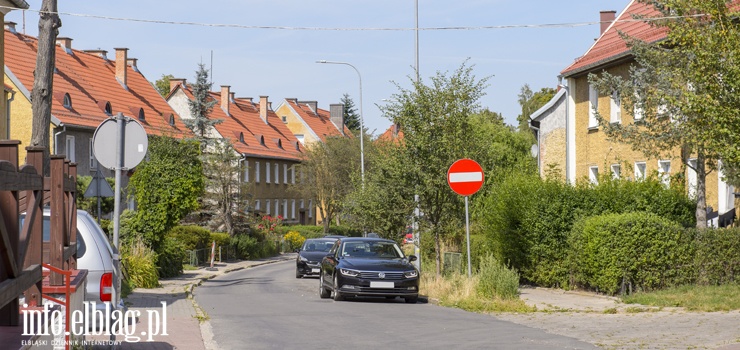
(246, 170)
(615, 108)
(69, 148)
(277, 207)
(310, 208)
(277, 173)
(257, 205)
(292, 209)
(300, 138)
(292, 174)
(267, 207)
(257, 172)
(285, 173)
(640, 170)
(593, 174)
(267, 172)
(691, 179)
(665, 172)
(616, 171)
(285, 209)
(593, 105)
(93, 161)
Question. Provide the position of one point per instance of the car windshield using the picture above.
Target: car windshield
(315, 245)
(372, 249)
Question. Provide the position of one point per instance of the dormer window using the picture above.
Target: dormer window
(241, 137)
(142, 117)
(262, 140)
(171, 120)
(67, 101)
(279, 143)
(108, 109)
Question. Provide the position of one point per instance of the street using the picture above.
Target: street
(268, 308)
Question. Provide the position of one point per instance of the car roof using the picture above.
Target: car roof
(366, 239)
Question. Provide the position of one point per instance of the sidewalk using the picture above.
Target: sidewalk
(183, 319)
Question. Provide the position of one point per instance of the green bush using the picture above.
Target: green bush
(717, 257)
(139, 265)
(528, 220)
(170, 258)
(191, 237)
(222, 239)
(622, 252)
(344, 231)
(496, 280)
(295, 239)
(308, 231)
(248, 247)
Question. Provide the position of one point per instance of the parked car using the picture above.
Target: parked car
(363, 266)
(310, 255)
(94, 254)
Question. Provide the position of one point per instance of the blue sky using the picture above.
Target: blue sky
(280, 63)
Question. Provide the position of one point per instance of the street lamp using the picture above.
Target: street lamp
(362, 125)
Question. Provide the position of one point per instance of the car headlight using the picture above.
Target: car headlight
(411, 274)
(347, 272)
(303, 258)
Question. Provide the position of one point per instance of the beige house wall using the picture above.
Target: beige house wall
(295, 125)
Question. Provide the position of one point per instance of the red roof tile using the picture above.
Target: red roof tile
(392, 134)
(91, 82)
(245, 121)
(319, 121)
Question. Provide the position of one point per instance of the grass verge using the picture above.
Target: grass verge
(460, 291)
(692, 298)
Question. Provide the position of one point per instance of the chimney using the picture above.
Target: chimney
(10, 26)
(231, 97)
(102, 53)
(65, 43)
(606, 18)
(336, 114)
(263, 109)
(312, 105)
(132, 63)
(292, 100)
(225, 94)
(121, 56)
(174, 82)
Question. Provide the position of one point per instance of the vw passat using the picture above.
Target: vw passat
(310, 255)
(368, 267)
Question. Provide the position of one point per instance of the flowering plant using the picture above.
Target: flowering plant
(268, 224)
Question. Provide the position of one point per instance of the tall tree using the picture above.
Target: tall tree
(43, 81)
(201, 106)
(163, 84)
(351, 117)
(224, 197)
(437, 131)
(684, 88)
(532, 101)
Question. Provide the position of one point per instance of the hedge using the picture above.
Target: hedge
(717, 256)
(191, 237)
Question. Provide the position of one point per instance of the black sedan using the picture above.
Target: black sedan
(363, 266)
(310, 255)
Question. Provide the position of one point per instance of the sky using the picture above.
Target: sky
(270, 47)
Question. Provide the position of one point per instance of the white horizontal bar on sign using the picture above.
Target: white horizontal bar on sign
(466, 177)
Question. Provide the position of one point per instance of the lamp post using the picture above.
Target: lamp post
(362, 125)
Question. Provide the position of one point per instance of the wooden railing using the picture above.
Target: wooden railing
(26, 190)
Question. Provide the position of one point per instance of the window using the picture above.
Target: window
(109, 110)
(257, 205)
(299, 137)
(285, 173)
(292, 209)
(691, 178)
(664, 170)
(593, 175)
(616, 171)
(172, 120)
(67, 103)
(246, 170)
(301, 205)
(70, 149)
(142, 117)
(285, 209)
(256, 172)
(267, 206)
(640, 170)
(267, 174)
(310, 208)
(593, 106)
(638, 112)
(285, 119)
(93, 161)
(277, 207)
(615, 108)
(277, 175)
(292, 174)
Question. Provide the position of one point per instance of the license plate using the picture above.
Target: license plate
(382, 285)
(314, 270)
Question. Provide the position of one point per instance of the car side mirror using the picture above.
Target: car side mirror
(297, 250)
(412, 258)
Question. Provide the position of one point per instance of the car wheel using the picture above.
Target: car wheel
(324, 293)
(337, 295)
(411, 300)
(297, 274)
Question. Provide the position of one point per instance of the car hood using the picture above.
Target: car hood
(313, 256)
(376, 264)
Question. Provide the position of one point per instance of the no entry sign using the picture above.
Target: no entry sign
(465, 177)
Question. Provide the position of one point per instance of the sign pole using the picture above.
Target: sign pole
(467, 234)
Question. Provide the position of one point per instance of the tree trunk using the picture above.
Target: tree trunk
(701, 189)
(41, 94)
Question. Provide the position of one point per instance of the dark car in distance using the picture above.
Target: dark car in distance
(364, 266)
(310, 255)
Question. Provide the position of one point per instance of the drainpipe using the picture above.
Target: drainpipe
(7, 112)
(567, 130)
(56, 137)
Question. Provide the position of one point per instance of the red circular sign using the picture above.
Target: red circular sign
(465, 177)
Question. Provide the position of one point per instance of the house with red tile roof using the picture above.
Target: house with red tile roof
(88, 88)
(270, 153)
(8, 92)
(392, 134)
(309, 123)
(588, 152)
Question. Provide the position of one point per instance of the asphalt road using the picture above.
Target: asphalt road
(268, 308)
